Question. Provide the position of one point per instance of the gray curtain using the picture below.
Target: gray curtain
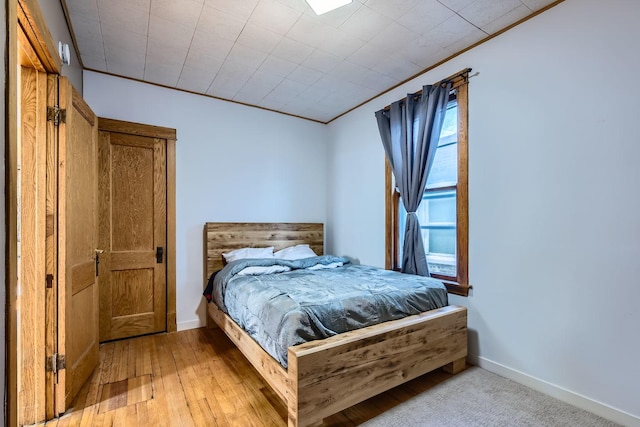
(410, 130)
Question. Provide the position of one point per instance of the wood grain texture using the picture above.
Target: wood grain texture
(12, 215)
(327, 376)
(130, 292)
(82, 276)
(82, 109)
(388, 217)
(32, 21)
(130, 128)
(171, 235)
(199, 378)
(462, 194)
(27, 237)
(455, 366)
(131, 260)
(51, 249)
(160, 233)
(77, 213)
(132, 224)
(221, 237)
(31, 310)
(62, 301)
(134, 221)
(28, 43)
(27, 56)
(104, 227)
(330, 375)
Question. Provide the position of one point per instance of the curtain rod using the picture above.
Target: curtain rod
(464, 74)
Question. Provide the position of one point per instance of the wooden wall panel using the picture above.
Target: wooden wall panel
(29, 229)
(31, 240)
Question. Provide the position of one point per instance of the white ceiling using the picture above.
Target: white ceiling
(279, 55)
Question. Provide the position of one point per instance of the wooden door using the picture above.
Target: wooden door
(133, 234)
(77, 242)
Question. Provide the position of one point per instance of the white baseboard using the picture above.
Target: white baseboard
(191, 324)
(575, 399)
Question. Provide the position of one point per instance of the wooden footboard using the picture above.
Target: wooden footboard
(330, 375)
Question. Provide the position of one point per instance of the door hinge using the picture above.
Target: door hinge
(49, 280)
(57, 115)
(56, 363)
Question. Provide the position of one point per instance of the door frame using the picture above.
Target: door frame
(35, 38)
(168, 134)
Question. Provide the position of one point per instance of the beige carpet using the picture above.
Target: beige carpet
(477, 397)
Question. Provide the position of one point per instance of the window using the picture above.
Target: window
(443, 211)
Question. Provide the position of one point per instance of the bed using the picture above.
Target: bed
(325, 376)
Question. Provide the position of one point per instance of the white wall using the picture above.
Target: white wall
(554, 226)
(234, 163)
(57, 25)
(355, 183)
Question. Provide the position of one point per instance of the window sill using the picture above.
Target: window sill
(453, 287)
(456, 289)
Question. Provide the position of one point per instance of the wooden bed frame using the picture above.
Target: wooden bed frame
(327, 376)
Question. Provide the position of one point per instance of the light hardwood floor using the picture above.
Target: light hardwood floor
(197, 378)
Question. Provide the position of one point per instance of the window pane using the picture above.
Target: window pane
(438, 207)
(444, 170)
(450, 124)
(439, 241)
(437, 216)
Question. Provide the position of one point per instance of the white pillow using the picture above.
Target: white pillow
(326, 266)
(243, 253)
(258, 270)
(295, 252)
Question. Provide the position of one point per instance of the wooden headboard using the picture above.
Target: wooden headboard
(220, 237)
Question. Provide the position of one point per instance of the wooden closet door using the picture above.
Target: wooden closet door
(77, 237)
(133, 221)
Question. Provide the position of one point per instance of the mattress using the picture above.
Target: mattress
(309, 302)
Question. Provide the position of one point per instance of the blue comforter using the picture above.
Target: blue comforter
(285, 309)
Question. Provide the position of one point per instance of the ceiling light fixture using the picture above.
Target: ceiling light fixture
(324, 6)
